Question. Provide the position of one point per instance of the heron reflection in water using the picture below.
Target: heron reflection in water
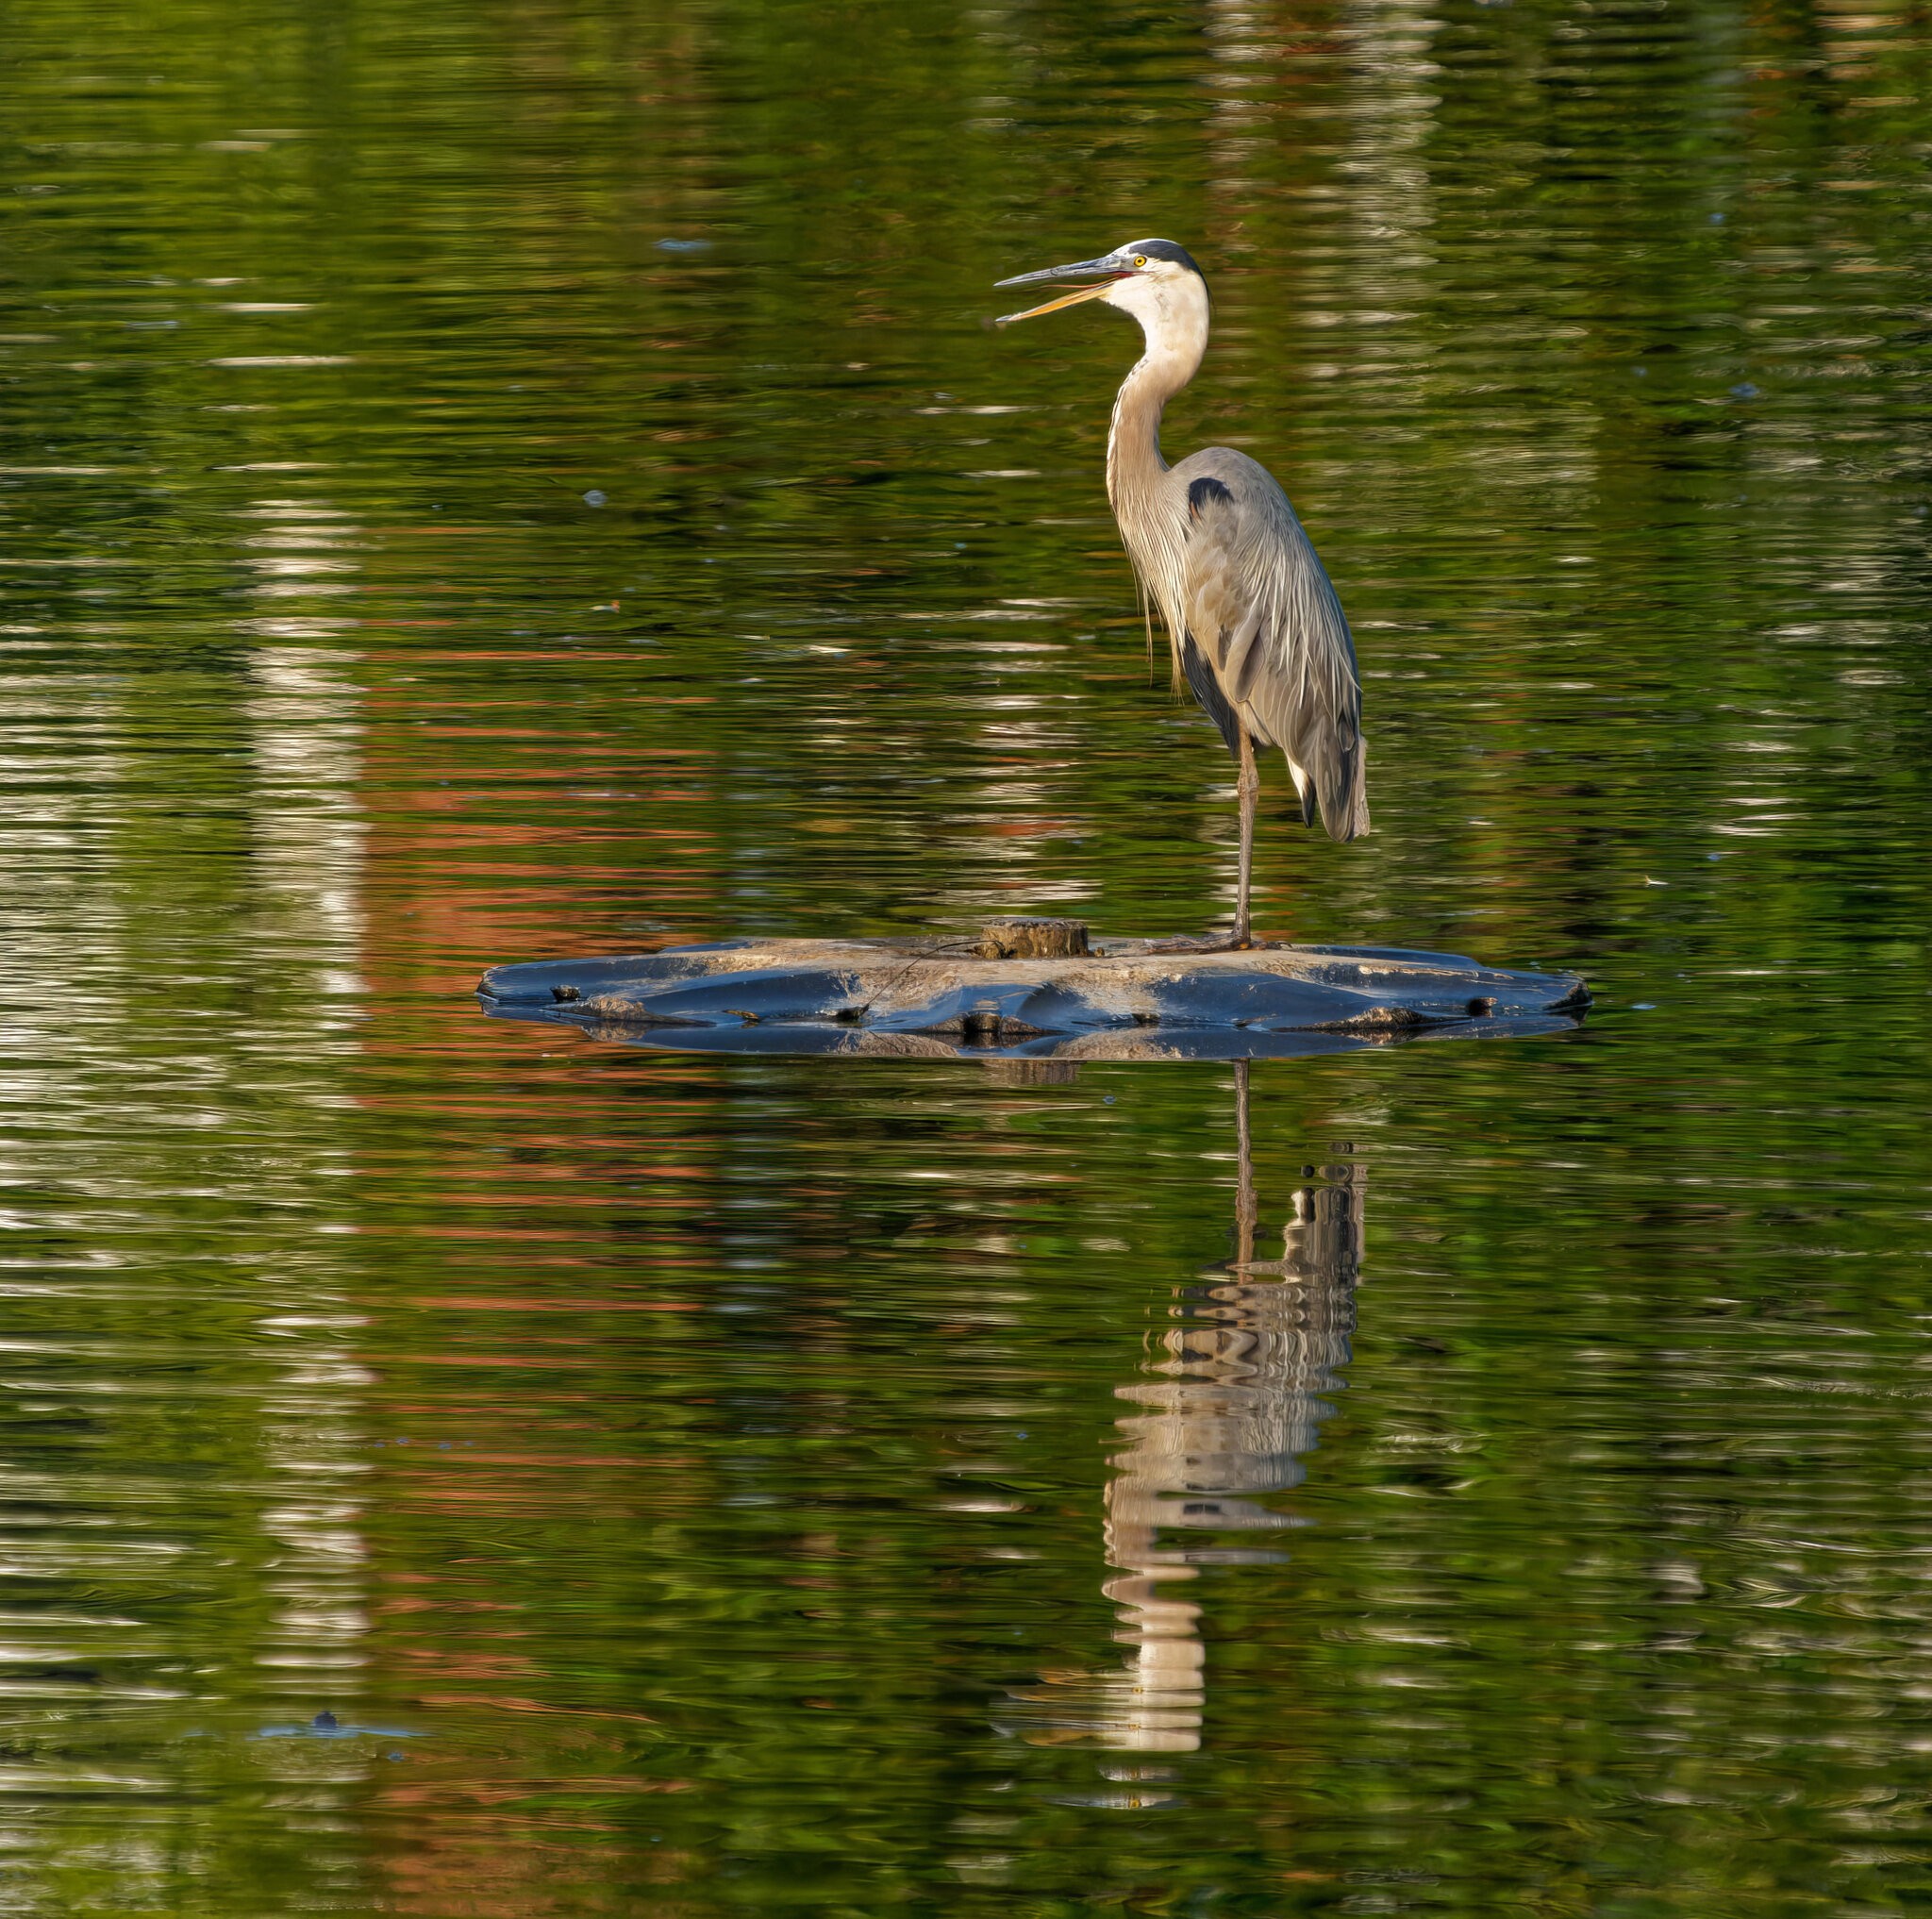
(1232, 1405)
(1255, 627)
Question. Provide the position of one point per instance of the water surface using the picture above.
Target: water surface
(489, 482)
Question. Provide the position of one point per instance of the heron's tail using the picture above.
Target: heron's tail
(1345, 797)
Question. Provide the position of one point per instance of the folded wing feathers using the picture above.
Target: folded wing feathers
(1260, 608)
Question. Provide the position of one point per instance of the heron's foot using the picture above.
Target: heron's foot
(1208, 942)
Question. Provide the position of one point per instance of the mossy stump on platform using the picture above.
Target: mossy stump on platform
(1032, 940)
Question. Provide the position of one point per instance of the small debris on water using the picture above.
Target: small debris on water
(683, 245)
(596, 497)
(327, 1725)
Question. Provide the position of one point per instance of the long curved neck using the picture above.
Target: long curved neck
(1176, 342)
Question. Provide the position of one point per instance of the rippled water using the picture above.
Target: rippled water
(482, 482)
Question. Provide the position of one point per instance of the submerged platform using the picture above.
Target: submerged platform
(1032, 990)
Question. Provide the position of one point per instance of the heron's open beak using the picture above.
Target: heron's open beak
(1106, 265)
(1072, 299)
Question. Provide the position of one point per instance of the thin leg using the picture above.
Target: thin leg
(1247, 1212)
(1249, 787)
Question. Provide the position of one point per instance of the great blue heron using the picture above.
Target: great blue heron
(1255, 625)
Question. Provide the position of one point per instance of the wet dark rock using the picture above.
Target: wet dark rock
(947, 998)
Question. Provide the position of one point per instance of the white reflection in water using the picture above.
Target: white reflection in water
(306, 716)
(308, 832)
(1234, 1401)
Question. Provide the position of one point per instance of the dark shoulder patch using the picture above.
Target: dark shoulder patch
(1204, 492)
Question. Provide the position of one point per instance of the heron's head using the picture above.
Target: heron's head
(1155, 280)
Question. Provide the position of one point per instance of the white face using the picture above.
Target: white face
(1162, 294)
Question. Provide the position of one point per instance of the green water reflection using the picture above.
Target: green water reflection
(482, 482)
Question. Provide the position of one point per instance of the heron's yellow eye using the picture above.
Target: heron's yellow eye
(1140, 259)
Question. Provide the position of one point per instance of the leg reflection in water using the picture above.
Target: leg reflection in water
(1234, 1402)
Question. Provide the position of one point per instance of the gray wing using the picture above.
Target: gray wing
(1263, 623)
